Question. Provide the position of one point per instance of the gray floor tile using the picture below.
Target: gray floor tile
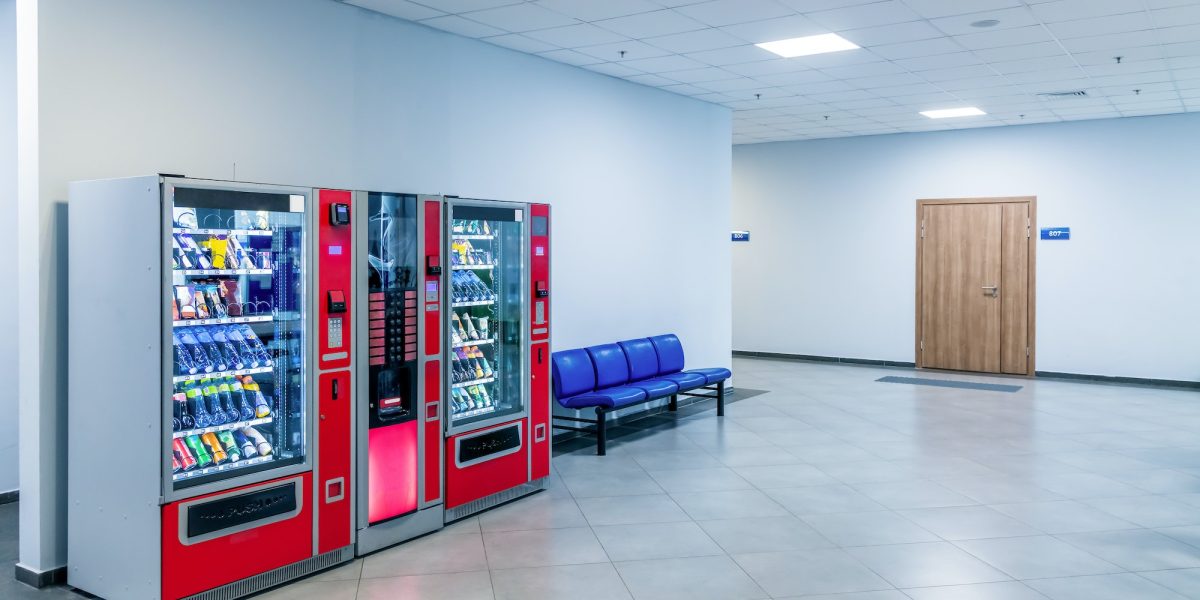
(1037, 557)
(808, 572)
(543, 548)
(1182, 581)
(1005, 590)
(700, 480)
(628, 482)
(765, 534)
(1149, 511)
(702, 578)
(577, 582)
(538, 512)
(431, 554)
(655, 540)
(315, 590)
(879, 595)
(476, 585)
(733, 504)
(1087, 485)
(968, 522)
(1161, 481)
(868, 471)
(350, 571)
(823, 499)
(747, 456)
(673, 459)
(1123, 586)
(919, 493)
(999, 489)
(659, 508)
(869, 529)
(1063, 516)
(783, 476)
(1136, 549)
(1188, 534)
(922, 565)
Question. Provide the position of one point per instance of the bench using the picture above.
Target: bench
(612, 376)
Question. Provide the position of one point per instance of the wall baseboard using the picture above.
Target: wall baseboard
(1078, 377)
(40, 579)
(10, 496)
(826, 359)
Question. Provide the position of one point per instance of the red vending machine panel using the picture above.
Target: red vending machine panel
(485, 462)
(432, 304)
(539, 336)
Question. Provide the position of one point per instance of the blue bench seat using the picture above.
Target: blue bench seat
(607, 377)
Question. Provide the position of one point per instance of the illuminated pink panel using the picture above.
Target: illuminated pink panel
(391, 471)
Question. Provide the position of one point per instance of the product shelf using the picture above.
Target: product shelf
(474, 412)
(215, 374)
(235, 232)
(472, 267)
(473, 303)
(474, 343)
(245, 462)
(224, 321)
(226, 427)
(474, 382)
(472, 236)
(211, 272)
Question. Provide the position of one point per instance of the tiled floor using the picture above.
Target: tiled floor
(836, 487)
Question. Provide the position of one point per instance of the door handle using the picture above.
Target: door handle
(992, 290)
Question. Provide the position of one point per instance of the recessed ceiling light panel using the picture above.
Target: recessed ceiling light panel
(809, 45)
(946, 113)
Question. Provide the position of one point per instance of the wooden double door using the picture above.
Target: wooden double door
(975, 284)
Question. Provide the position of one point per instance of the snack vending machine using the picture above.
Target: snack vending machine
(210, 405)
(399, 411)
(497, 365)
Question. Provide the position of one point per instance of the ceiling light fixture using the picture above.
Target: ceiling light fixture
(985, 23)
(946, 113)
(809, 45)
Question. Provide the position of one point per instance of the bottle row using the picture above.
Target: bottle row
(217, 401)
(474, 397)
(218, 448)
(469, 364)
(466, 327)
(207, 349)
(471, 227)
(468, 287)
(212, 299)
(216, 252)
(463, 253)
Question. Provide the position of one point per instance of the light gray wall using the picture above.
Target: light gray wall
(315, 92)
(8, 268)
(830, 266)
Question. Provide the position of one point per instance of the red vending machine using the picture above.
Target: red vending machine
(210, 393)
(497, 359)
(399, 412)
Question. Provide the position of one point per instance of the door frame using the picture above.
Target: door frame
(1032, 271)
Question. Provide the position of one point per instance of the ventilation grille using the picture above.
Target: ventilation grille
(496, 499)
(245, 587)
(1064, 95)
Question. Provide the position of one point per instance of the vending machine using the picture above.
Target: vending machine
(398, 273)
(497, 356)
(210, 356)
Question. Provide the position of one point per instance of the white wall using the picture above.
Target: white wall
(830, 267)
(316, 92)
(8, 268)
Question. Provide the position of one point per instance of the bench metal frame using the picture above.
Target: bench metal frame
(599, 423)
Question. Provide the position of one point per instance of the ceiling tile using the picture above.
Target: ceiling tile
(570, 57)
(764, 67)
(663, 64)
(1070, 10)
(520, 17)
(770, 30)
(1027, 65)
(644, 25)
(591, 10)
(732, 56)
(633, 50)
(520, 43)
(685, 89)
(891, 34)
(1009, 18)
(940, 61)
(1182, 34)
(1179, 15)
(614, 69)
(576, 36)
(941, 8)
(920, 48)
(794, 78)
(725, 85)
(884, 81)
(461, 26)
(1125, 23)
(1004, 53)
(651, 80)
(398, 8)
(866, 70)
(899, 91)
(695, 41)
(730, 12)
(1132, 39)
(698, 75)
(1005, 37)
(461, 6)
(864, 15)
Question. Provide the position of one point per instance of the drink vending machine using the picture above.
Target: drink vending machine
(210, 403)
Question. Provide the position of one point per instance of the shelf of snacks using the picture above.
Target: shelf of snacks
(224, 427)
(470, 343)
(474, 412)
(211, 272)
(474, 382)
(225, 232)
(473, 303)
(472, 267)
(225, 320)
(228, 373)
(228, 466)
(472, 236)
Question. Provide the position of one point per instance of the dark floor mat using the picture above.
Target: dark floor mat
(963, 385)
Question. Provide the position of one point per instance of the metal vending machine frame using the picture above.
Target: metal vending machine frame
(233, 528)
(399, 465)
(489, 459)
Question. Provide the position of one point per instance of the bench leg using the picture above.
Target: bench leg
(600, 441)
(720, 398)
(674, 404)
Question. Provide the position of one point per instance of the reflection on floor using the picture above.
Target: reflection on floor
(837, 487)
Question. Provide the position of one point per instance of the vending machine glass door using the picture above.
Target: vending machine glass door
(486, 356)
(237, 302)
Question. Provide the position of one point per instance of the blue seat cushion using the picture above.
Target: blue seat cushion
(611, 367)
(670, 353)
(656, 388)
(642, 359)
(573, 373)
(712, 375)
(614, 397)
(686, 381)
